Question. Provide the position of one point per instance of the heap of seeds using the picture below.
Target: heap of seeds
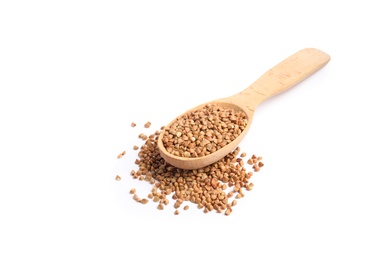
(203, 131)
(212, 188)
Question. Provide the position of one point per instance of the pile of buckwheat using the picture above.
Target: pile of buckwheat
(203, 131)
(216, 187)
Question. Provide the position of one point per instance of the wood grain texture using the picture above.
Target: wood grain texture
(279, 78)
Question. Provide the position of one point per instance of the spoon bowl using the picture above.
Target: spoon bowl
(281, 77)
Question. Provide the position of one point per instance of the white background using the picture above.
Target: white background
(75, 74)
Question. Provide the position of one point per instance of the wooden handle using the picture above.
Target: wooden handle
(284, 75)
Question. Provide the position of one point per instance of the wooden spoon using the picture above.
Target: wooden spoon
(281, 77)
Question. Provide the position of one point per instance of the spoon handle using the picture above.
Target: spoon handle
(284, 75)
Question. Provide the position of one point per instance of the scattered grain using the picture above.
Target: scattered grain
(121, 154)
(133, 124)
(132, 191)
(228, 211)
(118, 178)
(211, 188)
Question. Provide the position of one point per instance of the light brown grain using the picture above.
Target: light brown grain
(210, 188)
